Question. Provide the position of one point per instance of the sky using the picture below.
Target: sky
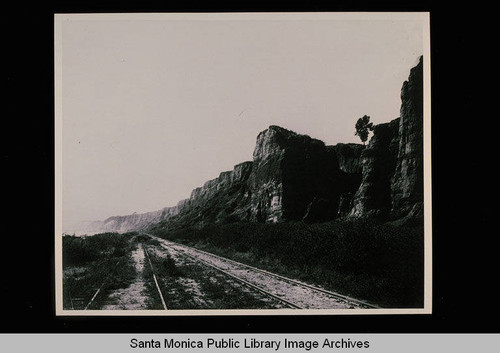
(152, 108)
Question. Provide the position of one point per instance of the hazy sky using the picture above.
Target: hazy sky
(152, 109)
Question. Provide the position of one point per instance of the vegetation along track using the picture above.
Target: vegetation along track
(293, 293)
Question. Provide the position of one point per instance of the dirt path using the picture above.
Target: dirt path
(134, 296)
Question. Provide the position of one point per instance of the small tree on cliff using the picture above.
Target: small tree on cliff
(363, 126)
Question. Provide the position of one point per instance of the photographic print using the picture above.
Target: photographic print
(242, 163)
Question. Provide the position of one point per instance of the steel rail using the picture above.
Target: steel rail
(333, 294)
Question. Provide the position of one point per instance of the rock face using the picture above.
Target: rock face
(392, 176)
(373, 197)
(408, 179)
(294, 177)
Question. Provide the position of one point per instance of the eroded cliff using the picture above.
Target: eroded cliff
(295, 177)
(292, 177)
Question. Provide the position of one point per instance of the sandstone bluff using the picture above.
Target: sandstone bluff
(295, 177)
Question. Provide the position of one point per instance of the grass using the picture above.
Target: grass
(380, 263)
(99, 261)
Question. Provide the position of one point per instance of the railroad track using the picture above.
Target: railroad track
(147, 256)
(293, 293)
(164, 305)
(240, 280)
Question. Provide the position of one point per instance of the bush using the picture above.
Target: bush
(104, 261)
(170, 268)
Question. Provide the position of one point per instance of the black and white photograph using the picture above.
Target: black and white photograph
(242, 163)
